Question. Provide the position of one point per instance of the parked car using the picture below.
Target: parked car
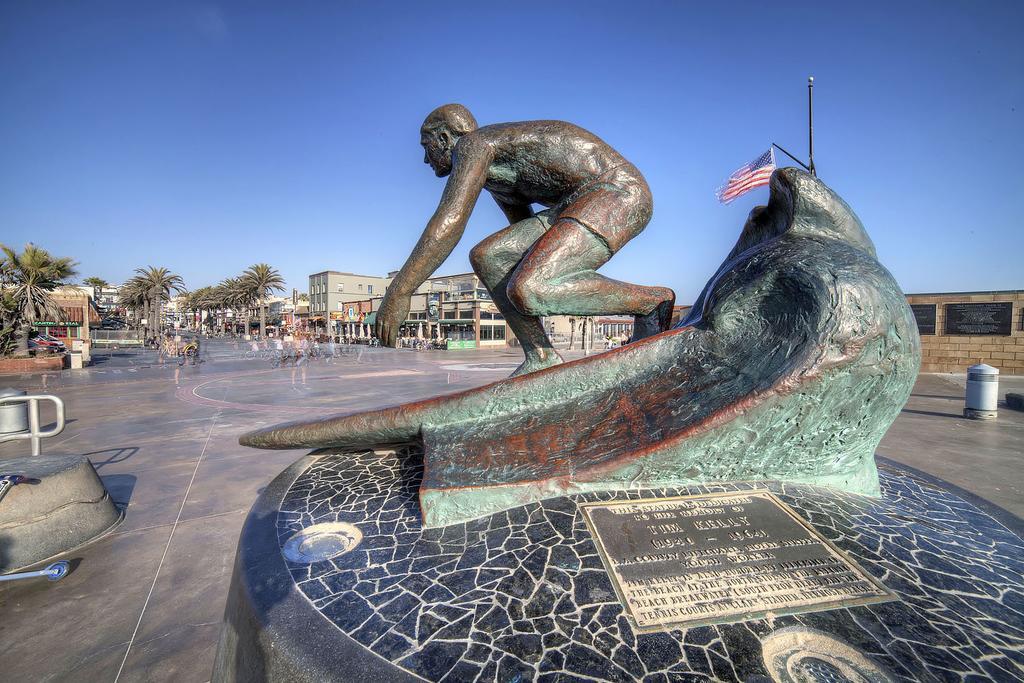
(46, 338)
(46, 343)
(38, 347)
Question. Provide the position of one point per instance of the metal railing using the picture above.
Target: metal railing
(118, 337)
(34, 432)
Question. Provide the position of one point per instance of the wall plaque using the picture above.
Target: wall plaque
(925, 315)
(980, 318)
(721, 557)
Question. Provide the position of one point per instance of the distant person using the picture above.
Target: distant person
(279, 350)
(168, 349)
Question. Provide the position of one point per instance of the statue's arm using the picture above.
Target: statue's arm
(469, 173)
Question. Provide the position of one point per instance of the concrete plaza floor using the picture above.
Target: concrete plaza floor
(145, 602)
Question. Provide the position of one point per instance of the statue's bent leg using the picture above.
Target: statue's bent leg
(558, 276)
(494, 260)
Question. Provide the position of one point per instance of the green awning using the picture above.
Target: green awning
(370, 318)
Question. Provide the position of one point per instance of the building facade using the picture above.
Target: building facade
(453, 307)
(330, 290)
(106, 298)
(77, 314)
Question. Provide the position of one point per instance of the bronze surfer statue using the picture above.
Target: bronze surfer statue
(544, 262)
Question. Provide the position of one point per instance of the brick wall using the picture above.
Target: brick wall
(943, 353)
(25, 365)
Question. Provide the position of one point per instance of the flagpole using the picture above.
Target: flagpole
(810, 124)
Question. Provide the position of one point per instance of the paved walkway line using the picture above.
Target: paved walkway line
(167, 547)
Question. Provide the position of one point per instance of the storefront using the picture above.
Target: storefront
(493, 331)
(77, 314)
(63, 330)
(452, 308)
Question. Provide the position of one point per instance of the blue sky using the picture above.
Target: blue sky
(206, 137)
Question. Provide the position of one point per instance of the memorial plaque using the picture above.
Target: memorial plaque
(980, 318)
(721, 557)
(925, 315)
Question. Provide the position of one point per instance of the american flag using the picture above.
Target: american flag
(755, 174)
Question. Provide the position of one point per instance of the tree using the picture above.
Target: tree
(96, 283)
(133, 296)
(242, 298)
(235, 295)
(226, 295)
(261, 280)
(8, 328)
(159, 283)
(28, 279)
(202, 300)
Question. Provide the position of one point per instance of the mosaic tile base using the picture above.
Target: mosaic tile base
(522, 595)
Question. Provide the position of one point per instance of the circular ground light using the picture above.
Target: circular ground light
(805, 655)
(322, 542)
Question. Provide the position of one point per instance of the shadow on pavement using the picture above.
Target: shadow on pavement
(932, 413)
(112, 455)
(120, 488)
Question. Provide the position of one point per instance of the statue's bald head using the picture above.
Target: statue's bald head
(440, 131)
(454, 117)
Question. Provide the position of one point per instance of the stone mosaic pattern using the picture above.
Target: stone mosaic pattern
(522, 595)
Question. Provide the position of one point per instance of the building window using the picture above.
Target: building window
(466, 315)
(341, 287)
(360, 286)
(492, 332)
(369, 289)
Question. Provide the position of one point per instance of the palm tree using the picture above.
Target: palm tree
(96, 283)
(202, 300)
(242, 298)
(261, 280)
(185, 305)
(160, 282)
(133, 295)
(27, 279)
(226, 295)
(8, 330)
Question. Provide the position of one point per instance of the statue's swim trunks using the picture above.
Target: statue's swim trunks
(615, 205)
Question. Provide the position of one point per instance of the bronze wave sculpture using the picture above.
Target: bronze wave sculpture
(796, 358)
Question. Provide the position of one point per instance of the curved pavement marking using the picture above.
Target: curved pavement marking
(190, 394)
(479, 367)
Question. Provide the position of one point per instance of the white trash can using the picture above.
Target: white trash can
(982, 395)
(13, 416)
